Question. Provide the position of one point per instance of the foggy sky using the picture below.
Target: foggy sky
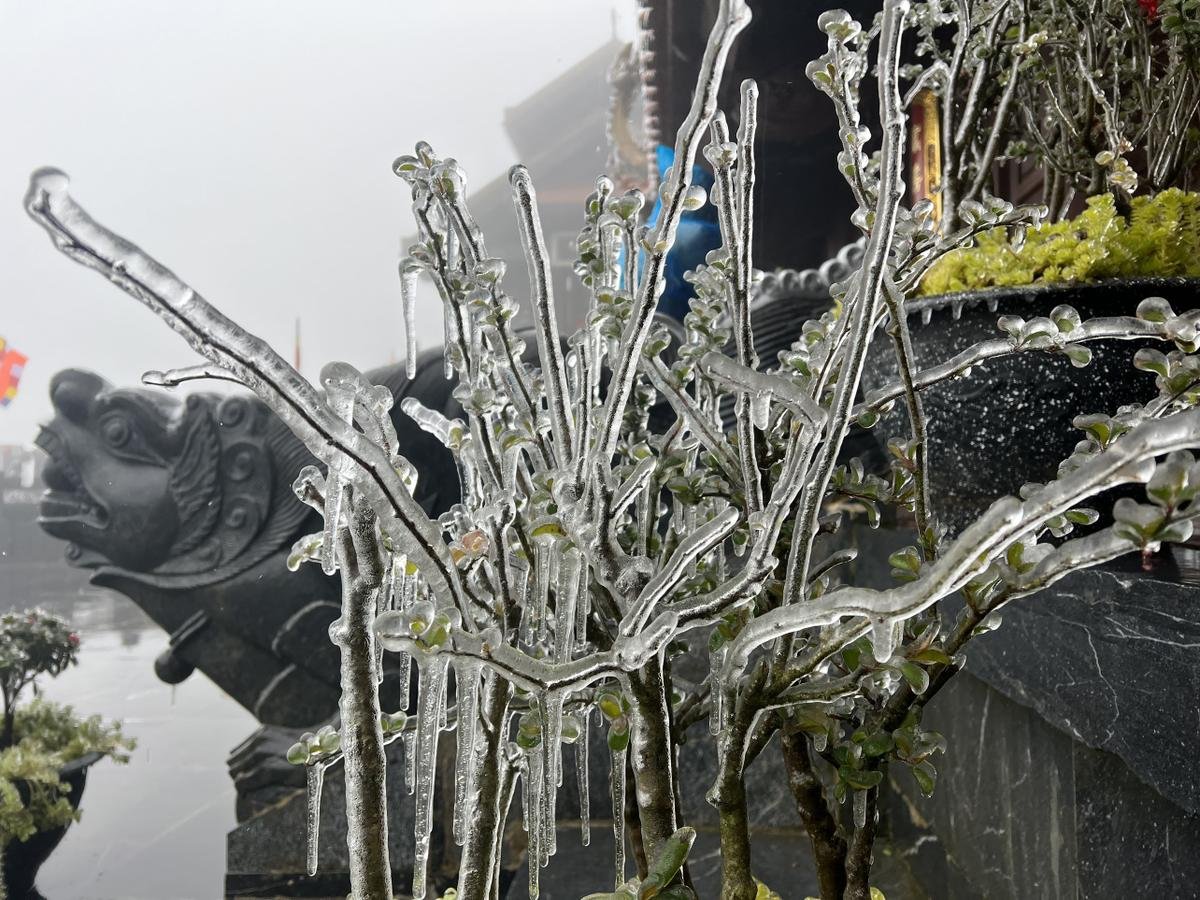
(247, 145)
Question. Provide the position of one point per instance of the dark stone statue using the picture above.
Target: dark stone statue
(186, 507)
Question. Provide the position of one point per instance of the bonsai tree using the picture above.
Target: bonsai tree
(40, 737)
(1104, 96)
(32, 643)
(590, 550)
(1110, 98)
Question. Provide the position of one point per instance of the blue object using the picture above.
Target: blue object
(699, 231)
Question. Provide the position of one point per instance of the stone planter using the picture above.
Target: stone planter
(23, 859)
(1073, 740)
(1010, 421)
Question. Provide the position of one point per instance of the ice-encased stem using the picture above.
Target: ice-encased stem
(466, 687)
(581, 777)
(732, 17)
(1006, 521)
(493, 788)
(863, 301)
(252, 361)
(362, 746)
(548, 341)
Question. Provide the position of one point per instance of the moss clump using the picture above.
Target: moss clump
(1161, 238)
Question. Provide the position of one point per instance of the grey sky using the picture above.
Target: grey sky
(246, 144)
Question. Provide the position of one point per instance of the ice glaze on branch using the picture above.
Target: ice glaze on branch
(250, 360)
(1006, 521)
(1111, 328)
(549, 346)
(732, 17)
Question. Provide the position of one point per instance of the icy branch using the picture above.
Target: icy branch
(251, 361)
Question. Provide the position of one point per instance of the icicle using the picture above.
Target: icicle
(448, 336)
(716, 661)
(542, 552)
(443, 706)
(526, 809)
(466, 682)
(533, 818)
(392, 582)
(860, 809)
(334, 493)
(883, 639)
(552, 715)
(409, 740)
(618, 804)
(339, 395)
(565, 598)
(760, 410)
(408, 299)
(582, 608)
(432, 672)
(527, 611)
(315, 775)
(581, 776)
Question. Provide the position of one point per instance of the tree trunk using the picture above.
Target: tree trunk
(737, 879)
(829, 848)
(482, 839)
(365, 764)
(651, 757)
(858, 854)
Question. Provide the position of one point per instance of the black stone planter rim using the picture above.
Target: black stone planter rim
(85, 761)
(937, 302)
(23, 859)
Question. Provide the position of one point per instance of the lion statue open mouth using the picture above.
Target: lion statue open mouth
(143, 481)
(185, 505)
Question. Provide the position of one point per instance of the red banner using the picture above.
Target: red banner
(12, 364)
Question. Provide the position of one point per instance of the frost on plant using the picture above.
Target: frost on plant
(550, 599)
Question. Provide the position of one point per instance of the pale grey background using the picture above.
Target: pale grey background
(247, 144)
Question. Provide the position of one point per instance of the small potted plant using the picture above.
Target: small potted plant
(45, 748)
(1095, 104)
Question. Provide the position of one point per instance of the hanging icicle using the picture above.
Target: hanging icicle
(431, 670)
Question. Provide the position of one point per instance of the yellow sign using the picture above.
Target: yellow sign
(925, 151)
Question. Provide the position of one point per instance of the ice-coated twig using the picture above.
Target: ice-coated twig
(692, 416)
(362, 742)
(732, 17)
(695, 545)
(175, 377)
(906, 361)
(866, 295)
(549, 346)
(731, 193)
(763, 385)
(1007, 520)
(251, 361)
(1109, 328)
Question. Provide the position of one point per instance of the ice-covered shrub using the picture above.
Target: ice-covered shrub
(588, 547)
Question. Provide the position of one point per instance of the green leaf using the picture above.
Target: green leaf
(878, 744)
(926, 776)
(932, 656)
(917, 677)
(860, 779)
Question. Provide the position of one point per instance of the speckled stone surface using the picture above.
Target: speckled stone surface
(1074, 737)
